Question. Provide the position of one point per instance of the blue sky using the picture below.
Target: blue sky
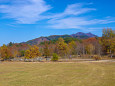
(23, 20)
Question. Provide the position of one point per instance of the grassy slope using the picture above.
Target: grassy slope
(57, 74)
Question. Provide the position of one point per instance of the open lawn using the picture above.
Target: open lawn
(57, 74)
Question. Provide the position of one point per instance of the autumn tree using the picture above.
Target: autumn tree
(95, 42)
(90, 49)
(32, 52)
(46, 50)
(80, 49)
(108, 41)
(61, 47)
(28, 54)
(14, 50)
(5, 52)
(72, 47)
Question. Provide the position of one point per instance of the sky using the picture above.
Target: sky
(23, 20)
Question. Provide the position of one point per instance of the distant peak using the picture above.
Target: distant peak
(83, 34)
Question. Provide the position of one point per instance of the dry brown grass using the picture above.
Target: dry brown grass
(57, 74)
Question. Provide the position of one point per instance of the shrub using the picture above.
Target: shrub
(55, 57)
(96, 57)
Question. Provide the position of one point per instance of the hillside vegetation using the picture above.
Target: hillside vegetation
(63, 46)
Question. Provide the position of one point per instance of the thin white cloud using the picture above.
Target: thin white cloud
(31, 11)
(73, 10)
(25, 11)
(69, 19)
(76, 22)
(66, 23)
(76, 9)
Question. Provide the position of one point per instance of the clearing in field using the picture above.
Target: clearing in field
(57, 74)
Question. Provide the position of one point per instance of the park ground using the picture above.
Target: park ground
(57, 73)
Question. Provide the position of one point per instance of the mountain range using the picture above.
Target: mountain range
(79, 35)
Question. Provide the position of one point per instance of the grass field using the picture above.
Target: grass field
(57, 74)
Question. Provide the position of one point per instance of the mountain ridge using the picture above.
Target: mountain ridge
(79, 35)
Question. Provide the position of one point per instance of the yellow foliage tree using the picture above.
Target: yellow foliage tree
(90, 48)
(5, 52)
(61, 46)
(108, 41)
(32, 52)
(72, 47)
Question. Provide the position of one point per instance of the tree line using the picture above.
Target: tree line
(97, 47)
